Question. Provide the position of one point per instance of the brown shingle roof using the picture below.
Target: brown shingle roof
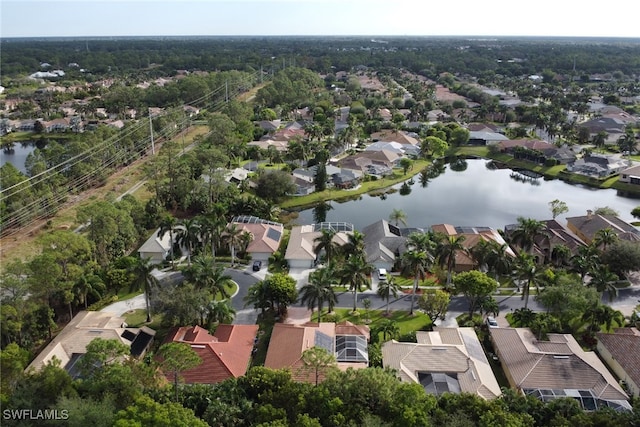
(624, 346)
(558, 363)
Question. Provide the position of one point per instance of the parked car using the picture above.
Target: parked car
(257, 265)
(491, 322)
(382, 274)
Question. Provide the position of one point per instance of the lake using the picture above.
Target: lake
(478, 196)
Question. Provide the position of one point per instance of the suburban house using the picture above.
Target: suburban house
(71, 343)
(265, 236)
(156, 247)
(472, 235)
(598, 166)
(536, 150)
(346, 341)
(556, 367)
(401, 137)
(343, 178)
(300, 251)
(447, 360)
(631, 175)
(264, 144)
(485, 137)
(554, 234)
(371, 162)
(395, 147)
(586, 227)
(384, 243)
(621, 351)
(225, 354)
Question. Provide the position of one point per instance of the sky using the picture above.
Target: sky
(83, 18)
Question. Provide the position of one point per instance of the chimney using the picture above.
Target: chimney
(589, 214)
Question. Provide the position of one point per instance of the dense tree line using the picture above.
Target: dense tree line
(506, 56)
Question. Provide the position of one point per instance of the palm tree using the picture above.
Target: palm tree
(388, 327)
(143, 279)
(526, 271)
(446, 253)
(603, 281)
(319, 290)
(233, 237)
(354, 245)
(560, 254)
(526, 233)
(355, 273)
(481, 254)
(188, 235)
(204, 274)
(88, 285)
(415, 263)
(600, 314)
(167, 225)
(523, 317)
(386, 288)
(398, 216)
(258, 296)
(220, 312)
(584, 261)
(422, 242)
(324, 242)
(605, 237)
(212, 229)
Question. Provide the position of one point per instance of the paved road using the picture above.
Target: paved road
(626, 301)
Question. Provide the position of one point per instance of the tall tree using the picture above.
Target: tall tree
(397, 217)
(558, 207)
(144, 279)
(319, 290)
(319, 361)
(386, 288)
(415, 263)
(233, 237)
(435, 304)
(325, 242)
(604, 238)
(603, 281)
(527, 274)
(354, 272)
(205, 274)
(475, 286)
(188, 235)
(175, 358)
(446, 252)
(526, 233)
(168, 225)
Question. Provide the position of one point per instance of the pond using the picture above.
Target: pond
(17, 155)
(476, 196)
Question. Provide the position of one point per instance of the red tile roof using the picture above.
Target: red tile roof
(224, 355)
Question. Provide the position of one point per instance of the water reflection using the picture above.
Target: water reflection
(482, 195)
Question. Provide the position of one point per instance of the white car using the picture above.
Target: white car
(382, 274)
(491, 322)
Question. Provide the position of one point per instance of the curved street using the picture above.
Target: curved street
(627, 300)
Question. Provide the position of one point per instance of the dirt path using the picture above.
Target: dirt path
(23, 243)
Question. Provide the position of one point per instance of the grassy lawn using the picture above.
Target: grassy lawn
(138, 317)
(406, 323)
(365, 187)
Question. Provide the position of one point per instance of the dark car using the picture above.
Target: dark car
(257, 265)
